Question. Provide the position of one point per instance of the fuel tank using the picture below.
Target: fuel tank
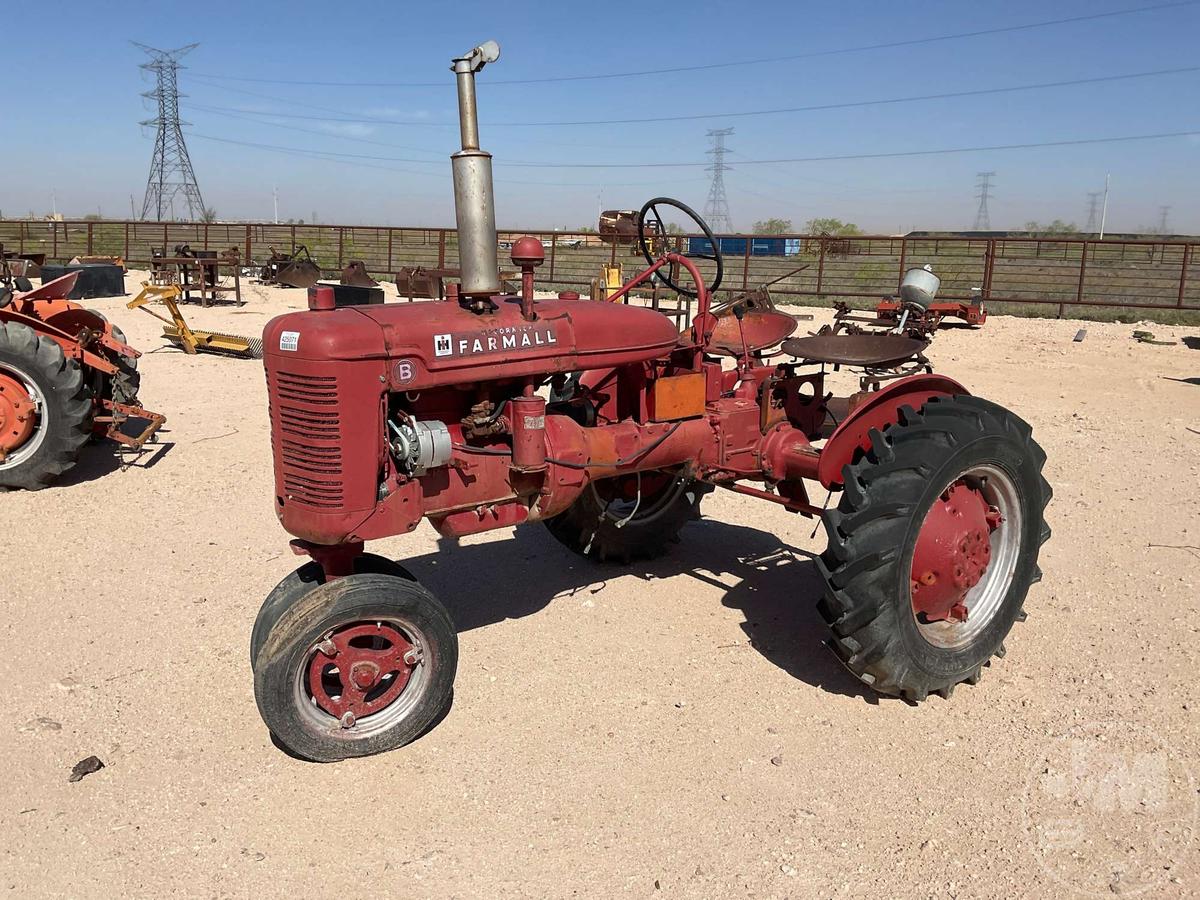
(431, 344)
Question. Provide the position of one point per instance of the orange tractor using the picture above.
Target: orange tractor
(66, 375)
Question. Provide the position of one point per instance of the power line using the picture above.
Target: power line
(264, 117)
(783, 110)
(982, 32)
(983, 221)
(171, 170)
(355, 159)
(716, 208)
(899, 154)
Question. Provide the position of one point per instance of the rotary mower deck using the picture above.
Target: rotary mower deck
(604, 423)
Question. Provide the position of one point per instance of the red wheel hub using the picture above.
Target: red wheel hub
(361, 669)
(952, 553)
(17, 413)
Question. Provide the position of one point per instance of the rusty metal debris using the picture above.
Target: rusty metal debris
(84, 767)
(1147, 337)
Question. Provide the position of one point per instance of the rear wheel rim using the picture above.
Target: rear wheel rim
(22, 408)
(361, 678)
(980, 599)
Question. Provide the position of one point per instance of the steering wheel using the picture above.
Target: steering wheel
(649, 214)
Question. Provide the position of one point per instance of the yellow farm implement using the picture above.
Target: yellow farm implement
(178, 332)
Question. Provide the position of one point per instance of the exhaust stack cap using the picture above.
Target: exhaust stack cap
(487, 52)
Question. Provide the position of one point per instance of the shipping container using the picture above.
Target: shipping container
(736, 246)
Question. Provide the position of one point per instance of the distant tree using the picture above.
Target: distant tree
(209, 215)
(773, 226)
(93, 217)
(585, 229)
(831, 226)
(672, 228)
(1058, 226)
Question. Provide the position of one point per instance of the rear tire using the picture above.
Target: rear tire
(592, 527)
(65, 418)
(869, 603)
(308, 670)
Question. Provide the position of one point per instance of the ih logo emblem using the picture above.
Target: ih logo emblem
(494, 340)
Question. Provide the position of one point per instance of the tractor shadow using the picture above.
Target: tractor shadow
(774, 585)
(105, 457)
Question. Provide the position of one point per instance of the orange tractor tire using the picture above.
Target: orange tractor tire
(46, 408)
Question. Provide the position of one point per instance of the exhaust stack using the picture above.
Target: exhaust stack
(474, 201)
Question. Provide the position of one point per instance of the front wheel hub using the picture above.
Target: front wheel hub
(360, 670)
(952, 553)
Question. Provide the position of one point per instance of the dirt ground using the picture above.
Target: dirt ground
(674, 729)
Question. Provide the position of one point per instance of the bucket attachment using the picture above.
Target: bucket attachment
(298, 270)
(355, 274)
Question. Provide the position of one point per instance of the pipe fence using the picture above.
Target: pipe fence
(1060, 272)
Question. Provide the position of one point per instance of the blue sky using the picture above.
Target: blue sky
(73, 107)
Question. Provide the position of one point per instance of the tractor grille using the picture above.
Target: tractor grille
(308, 430)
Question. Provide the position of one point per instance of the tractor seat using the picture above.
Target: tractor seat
(763, 328)
(872, 351)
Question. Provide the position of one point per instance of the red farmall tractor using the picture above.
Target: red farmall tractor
(605, 424)
(66, 376)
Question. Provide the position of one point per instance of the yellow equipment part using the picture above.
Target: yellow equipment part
(177, 331)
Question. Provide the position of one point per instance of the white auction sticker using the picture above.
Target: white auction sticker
(289, 340)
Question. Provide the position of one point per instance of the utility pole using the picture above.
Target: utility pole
(716, 208)
(1162, 219)
(983, 221)
(54, 203)
(1104, 208)
(275, 197)
(1093, 210)
(132, 213)
(171, 168)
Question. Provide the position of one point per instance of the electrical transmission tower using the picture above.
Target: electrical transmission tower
(1093, 210)
(983, 187)
(171, 168)
(716, 209)
(1162, 219)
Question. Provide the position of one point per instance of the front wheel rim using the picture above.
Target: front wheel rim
(965, 557)
(361, 678)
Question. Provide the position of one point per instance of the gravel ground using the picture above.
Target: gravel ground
(673, 729)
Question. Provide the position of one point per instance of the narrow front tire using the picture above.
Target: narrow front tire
(357, 666)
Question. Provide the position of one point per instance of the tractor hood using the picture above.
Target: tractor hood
(440, 343)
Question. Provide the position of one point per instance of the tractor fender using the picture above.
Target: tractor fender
(877, 411)
(70, 346)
